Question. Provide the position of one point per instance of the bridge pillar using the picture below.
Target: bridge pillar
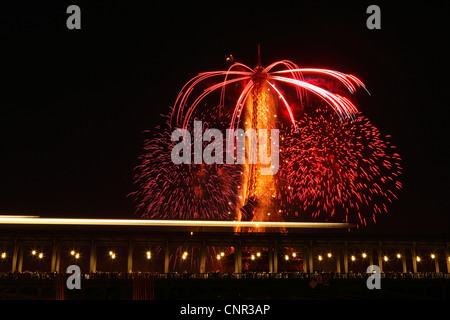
(130, 257)
(403, 253)
(15, 255)
(447, 257)
(436, 264)
(275, 257)
(414, 257)
(56, 257)
(166, 257)
(20, 263)
(345, 257)
(310, 257)
(238, 257)
(371, 256)
(380, 256)
(203, 258)
(270, 259)
(338, 259)
(93, 258)
(305, 258)
(53, 262)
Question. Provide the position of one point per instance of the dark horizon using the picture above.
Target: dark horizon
(74, 103)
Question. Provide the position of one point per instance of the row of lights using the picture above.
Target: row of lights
(258, 254)
(112, 254)
(386, 258)
(353, 258)
(40, 255)
(329, 255)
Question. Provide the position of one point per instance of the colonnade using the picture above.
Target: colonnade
(306, 248)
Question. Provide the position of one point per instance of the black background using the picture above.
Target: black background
(74, 103)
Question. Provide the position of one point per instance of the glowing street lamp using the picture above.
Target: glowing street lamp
(364, 255)
(319, 257)
(3, 255)
(329, 254)
(41, 255)
(33, 252)
(385, 258)
(433, 256)
(399, 255)
(353, 258)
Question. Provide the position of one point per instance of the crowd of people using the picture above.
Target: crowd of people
(28, 275)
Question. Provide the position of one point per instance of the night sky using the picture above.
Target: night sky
(74, 103)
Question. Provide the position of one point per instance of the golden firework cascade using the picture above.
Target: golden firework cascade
(260, 191)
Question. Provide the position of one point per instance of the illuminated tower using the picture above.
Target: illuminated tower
(260, 191)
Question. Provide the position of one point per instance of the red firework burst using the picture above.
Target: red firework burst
(343, 170)
(170, 191)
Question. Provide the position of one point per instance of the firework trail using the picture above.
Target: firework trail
(340, 170)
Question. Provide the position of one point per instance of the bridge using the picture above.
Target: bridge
(130, 251)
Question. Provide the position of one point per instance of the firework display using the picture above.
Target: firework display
(334, 164)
